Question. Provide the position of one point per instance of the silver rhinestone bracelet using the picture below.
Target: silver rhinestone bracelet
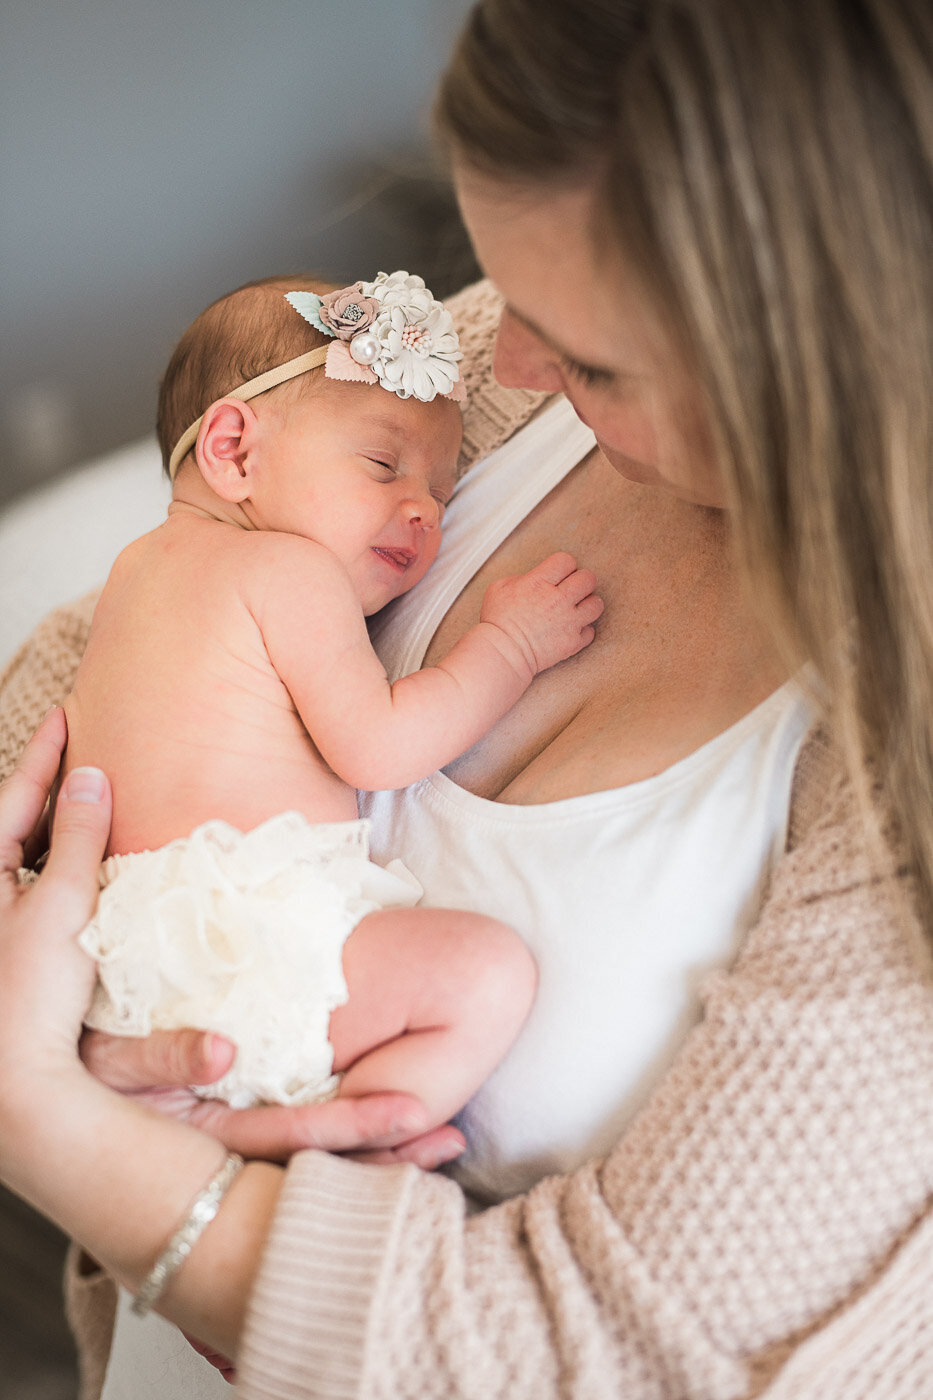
(203, 1209)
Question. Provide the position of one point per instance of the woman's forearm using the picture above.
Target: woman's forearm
(120, 1179)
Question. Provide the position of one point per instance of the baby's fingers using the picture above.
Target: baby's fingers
(556, 568)
(578, 584)
(590, 608)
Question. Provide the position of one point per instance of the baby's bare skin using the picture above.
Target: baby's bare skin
(229, 675)
(178, 653)
(229, 671)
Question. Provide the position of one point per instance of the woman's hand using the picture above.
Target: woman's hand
(157, 1071)
(47, 1098)
(46, 979)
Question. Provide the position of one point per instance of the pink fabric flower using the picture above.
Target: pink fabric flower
(348, 311)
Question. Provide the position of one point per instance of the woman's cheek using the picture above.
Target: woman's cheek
(626, 434)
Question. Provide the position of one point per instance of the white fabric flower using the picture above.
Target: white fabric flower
(392, 287)
(420, 348)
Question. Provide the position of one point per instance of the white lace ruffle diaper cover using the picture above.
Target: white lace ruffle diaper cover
(240, 933)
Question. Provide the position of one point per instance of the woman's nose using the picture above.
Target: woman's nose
(522, 361)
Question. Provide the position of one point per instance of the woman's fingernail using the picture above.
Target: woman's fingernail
(413, 1120)
(450, 1153)
(85, 785)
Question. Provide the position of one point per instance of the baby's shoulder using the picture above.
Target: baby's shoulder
(225, 549)
(288, 555)
(274, 568)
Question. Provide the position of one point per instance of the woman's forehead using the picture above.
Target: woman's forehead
(559, 270)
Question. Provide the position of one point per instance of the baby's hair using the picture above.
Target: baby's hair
(236, 338)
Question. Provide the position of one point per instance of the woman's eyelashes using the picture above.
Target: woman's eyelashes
(589, 375)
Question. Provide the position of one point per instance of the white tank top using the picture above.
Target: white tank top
(626, 897)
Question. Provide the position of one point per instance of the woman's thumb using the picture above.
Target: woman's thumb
(79, 837)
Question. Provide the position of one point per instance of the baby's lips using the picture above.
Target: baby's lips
(401, 557)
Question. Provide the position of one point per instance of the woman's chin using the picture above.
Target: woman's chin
(695, 492)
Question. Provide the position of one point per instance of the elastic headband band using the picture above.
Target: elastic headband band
(390, 331)
(279, 374)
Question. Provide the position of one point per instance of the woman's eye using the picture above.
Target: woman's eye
(586, 374)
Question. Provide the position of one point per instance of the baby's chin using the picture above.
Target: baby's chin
(374, 595)
(374, 601)
(373, 605)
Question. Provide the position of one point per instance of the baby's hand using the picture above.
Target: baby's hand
(548, 612)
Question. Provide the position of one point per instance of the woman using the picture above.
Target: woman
(711, 230)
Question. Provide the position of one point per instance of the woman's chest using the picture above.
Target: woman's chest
(676, 658)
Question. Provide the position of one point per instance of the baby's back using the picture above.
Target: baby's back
(177, 700)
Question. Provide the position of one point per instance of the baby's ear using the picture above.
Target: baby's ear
(224, 441)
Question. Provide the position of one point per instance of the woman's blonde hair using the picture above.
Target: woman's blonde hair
(769, 170)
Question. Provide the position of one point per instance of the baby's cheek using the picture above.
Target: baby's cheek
(432, 548)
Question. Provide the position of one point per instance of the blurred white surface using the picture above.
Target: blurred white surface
(58, 542)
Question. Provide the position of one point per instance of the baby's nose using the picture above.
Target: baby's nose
(424, 512)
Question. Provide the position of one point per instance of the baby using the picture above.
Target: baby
(230, 691)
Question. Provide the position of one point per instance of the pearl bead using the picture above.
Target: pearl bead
(365, 348)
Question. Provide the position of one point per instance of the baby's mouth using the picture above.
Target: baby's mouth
(398, 558)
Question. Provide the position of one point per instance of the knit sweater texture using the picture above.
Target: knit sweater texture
(764, 1228)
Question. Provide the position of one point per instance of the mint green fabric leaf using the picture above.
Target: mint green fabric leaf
(308, 305)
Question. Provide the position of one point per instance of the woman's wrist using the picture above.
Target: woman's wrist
(203, 1209)
(132, 1178)
(109, 1171)
(37, 1106)
(122, 1216)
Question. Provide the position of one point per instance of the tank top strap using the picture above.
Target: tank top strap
(499, 491)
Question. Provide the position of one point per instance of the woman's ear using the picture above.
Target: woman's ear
(225, 440)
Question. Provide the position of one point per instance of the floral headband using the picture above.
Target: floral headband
(390, 332)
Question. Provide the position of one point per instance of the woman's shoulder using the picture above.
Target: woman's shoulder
(841, 898)
(492, 412)
(818, 775)
(837, 838)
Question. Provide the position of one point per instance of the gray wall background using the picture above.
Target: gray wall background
(155, 155)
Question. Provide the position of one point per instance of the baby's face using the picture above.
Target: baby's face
(364, 473)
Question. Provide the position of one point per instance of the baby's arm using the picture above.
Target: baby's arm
(436, 997)
(375, 735)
